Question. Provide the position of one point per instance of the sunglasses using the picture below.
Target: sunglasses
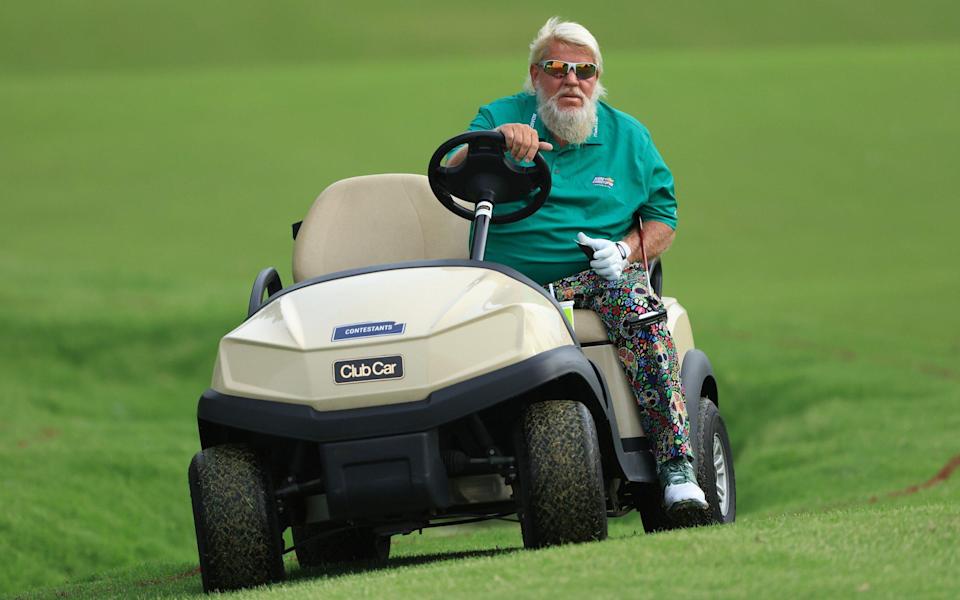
(560, 68)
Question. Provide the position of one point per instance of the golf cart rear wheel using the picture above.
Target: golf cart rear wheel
(318, 546)
(238, 534)
(715, 464)
(561, 493)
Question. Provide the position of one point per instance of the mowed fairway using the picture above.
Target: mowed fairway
(817, 256)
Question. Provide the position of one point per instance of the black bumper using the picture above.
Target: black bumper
(396, 475)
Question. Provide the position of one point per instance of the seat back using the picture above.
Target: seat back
(376, 219)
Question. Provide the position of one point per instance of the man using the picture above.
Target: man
(607, 174)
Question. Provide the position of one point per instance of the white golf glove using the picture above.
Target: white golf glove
(609, 258)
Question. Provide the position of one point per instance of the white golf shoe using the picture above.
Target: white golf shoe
(683, 495)
(680, 489)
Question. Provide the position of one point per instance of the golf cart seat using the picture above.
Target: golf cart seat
(377, 219)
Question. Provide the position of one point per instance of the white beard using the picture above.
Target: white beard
(573, 125)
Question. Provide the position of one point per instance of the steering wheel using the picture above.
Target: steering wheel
(486, 173)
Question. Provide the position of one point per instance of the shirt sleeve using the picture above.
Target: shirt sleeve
(661, 203)
(483, 121)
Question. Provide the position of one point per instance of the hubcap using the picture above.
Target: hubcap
(720, 468)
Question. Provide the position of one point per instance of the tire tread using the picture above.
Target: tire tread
(238, 536)
(561, 482)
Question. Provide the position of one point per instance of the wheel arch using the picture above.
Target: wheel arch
(709, 390)
(696, 375)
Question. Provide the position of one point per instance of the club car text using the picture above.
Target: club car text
(368, 369)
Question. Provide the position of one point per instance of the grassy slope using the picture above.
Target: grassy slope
(902, 549)
(815, 184)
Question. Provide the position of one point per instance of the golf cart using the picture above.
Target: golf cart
(399, 384)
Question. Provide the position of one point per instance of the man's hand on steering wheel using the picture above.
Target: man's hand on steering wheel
(522, 141)
(486, 174)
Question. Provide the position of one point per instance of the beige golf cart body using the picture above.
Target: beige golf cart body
(460, 322)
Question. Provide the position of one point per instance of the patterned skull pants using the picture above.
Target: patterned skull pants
(648, 353)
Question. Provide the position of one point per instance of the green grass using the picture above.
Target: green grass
(142, 190)
(887, 550)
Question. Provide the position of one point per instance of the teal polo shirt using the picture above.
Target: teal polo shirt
(599, 187)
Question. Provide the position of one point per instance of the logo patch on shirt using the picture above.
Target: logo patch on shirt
(601, 181)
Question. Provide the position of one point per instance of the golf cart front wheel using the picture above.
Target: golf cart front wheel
(715, 464)
(561, 493)
(318, 545)
(238, 533)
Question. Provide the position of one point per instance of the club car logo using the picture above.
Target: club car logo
(362, 330)
(368, 369)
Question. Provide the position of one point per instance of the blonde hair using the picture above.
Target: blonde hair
(567, 32)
